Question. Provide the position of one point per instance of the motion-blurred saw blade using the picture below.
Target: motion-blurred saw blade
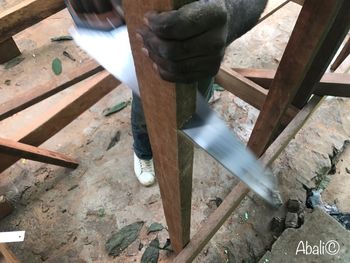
(112, 50)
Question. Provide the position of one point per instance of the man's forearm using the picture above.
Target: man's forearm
(242, 16)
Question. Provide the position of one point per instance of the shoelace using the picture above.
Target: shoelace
(146, 165)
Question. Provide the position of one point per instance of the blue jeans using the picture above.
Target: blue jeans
(142, 146)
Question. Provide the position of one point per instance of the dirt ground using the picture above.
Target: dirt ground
(68, 215)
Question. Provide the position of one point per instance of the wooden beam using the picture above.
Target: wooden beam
(62, 113)
(344, 53)
(6, 255)
(167, 106)
(246, 89)
(41, 92)
(300, 2)
(331, 84)
(25, 14)
(273, 11)
(233, 199)
(22, 150)
(8, 50)
(311, 29)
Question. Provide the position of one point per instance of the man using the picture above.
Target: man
(186, 45)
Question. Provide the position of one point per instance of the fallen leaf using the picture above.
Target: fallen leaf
(57, 66)
(115, 139)
(155, 227)
(123, 238)
(61, 38)
(151, 253)
(116, 108)
(13, 62)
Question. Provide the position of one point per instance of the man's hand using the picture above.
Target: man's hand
(97, 14)
(188, 44)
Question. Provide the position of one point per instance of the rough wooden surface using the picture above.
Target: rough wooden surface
(233, 199)
(25, 14)
(311, 30)
(55, 85)
(8, 50)
(331, 84)
(61, 114)
(167, 106)
(26, 151)
(6, 255)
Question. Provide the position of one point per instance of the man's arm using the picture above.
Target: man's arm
(242, 15)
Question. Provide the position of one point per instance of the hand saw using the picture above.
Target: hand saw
(112, 50)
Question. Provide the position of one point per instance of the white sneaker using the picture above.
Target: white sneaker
(144, 171)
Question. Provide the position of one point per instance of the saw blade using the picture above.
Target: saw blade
(112, 50)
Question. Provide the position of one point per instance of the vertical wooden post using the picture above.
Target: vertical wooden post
(312, 29)
(167, 106)
(8, 50)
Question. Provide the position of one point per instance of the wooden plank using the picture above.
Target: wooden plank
(336, 32)
(273, 11)
(233, 199)
(246, 89)
(331, 84)
(300, 2)
(41, 92)
(8, 50)
(344, 53)
(63, 113)
(167, 106)
(27, 13)
(311, 29)
(5, 207)
(7, 255)
(26, 151)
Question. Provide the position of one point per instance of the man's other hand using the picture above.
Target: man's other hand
(187, 44)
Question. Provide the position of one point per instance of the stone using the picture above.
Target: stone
(291, 220)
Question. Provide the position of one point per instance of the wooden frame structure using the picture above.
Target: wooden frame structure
(282, 96)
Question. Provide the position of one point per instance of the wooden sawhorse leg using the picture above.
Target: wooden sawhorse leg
(167, 106)
(344, 53)
(321, 27)
(8, 50)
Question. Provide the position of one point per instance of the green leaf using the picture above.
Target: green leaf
(57, 66)
(13, 62)
(151, 253)
(155, 227)
(116, 108)
(123, 238)
(61, 38)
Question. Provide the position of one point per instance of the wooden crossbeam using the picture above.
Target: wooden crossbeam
(331, 84)
(62, 113)
(25, 14)
(233, 199)
(22, 150)
(246, 90)
(306, 42)
(344, 53)
(6, 255)
(167, 106)
(41, 92)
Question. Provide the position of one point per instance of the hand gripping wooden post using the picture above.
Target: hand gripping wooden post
(167, 106)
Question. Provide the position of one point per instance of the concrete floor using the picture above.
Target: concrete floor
(72, 225)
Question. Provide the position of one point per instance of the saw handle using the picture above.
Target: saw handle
(102, 15)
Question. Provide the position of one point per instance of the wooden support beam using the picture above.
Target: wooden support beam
(344, 53)
(273, 11)
(25, 14)
(167, 106)
(331, 84)
(305, 44)
(63, 113)
(335, 33)
(22, 150)
(8, 50)
(41, 92)
(6, 255)
(5, 207)
(246, 89)
(233, 199)
(300, 2)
